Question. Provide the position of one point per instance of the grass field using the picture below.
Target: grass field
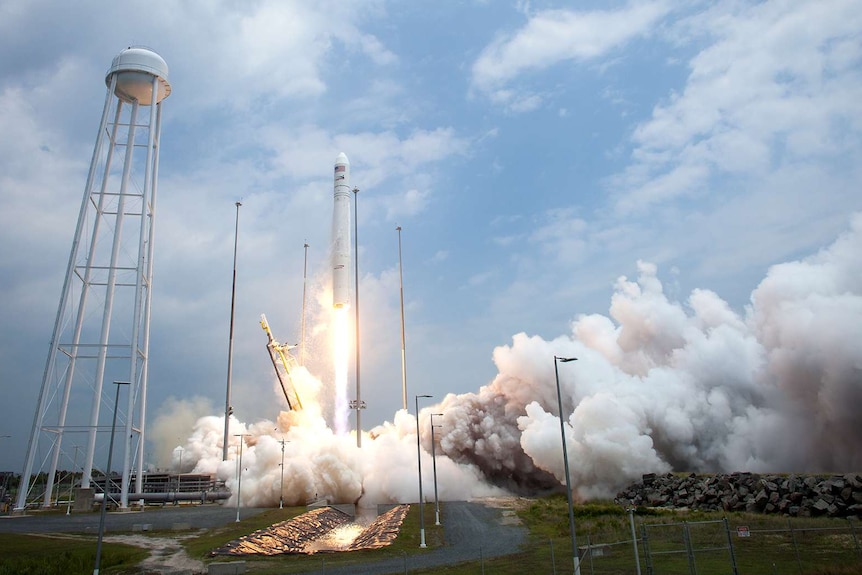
(815, 546)
(63, 555)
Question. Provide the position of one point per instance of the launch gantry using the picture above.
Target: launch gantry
(280, 355)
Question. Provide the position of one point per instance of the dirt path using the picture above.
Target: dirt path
(167, 556)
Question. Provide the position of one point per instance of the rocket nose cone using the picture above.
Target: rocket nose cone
(342, 159)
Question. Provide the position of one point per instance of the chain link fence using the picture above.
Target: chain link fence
(715, 547)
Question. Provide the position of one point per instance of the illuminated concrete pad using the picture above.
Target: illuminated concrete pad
(383, 531)
(320, 530)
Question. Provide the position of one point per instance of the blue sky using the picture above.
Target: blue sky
(532, 152)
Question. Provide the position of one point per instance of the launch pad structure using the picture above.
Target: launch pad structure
(101, 332)
(280, 355)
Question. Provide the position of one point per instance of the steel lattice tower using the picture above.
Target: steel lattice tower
(101, 333)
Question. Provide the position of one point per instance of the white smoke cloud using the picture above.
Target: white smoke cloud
(173, 424)
(696, 387)
(659, 385)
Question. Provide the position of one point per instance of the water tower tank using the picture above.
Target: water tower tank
(135, 69)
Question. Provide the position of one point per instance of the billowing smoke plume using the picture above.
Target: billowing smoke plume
(318, 464)
(658, 386)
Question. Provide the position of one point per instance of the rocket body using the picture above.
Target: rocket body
(341, 233)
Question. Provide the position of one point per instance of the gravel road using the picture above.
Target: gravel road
(168, 517)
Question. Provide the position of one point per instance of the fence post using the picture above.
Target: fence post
(647, 554)
(590, 553)
(795, 546)
(855, 539)
(553, 561)
(482, 560)
(689, 551)
(730, 547)
(631, 511)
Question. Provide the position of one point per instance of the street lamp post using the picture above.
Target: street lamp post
(72, 482)
(631, 511)
(227, 408)
(359, 403)
(419, 457)
(3, 488)
(434, 463)
(239, 473)
(575, 557)
(281, 489)
(107, 481)
(180, 470)
(403, 338)
(302, 323)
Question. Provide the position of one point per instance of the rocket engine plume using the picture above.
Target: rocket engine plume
(341, 356)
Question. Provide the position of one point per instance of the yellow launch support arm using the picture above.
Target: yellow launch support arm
(280, 353)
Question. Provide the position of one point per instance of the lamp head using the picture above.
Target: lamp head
(565, 359)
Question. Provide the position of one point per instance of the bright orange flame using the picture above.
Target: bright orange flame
(341, 357)
(339, 539)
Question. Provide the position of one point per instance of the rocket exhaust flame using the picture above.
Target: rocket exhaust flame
(341, 357)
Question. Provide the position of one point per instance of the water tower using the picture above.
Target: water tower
(101, 333)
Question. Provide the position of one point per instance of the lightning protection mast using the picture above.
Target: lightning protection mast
(101, 332)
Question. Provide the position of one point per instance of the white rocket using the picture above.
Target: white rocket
(341, 233)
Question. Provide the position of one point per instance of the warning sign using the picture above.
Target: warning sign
(743, 531)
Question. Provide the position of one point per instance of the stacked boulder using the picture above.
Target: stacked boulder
(794, 495)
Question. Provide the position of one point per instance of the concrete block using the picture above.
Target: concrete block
(84, 499)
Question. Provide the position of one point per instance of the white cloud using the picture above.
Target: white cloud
(375, 50)
(406, 204)
(480, 279)
(553, 36)
(374, 156)
(440, 256)
(780, 85)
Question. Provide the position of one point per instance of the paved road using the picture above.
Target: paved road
(194, 517)
(472, 528)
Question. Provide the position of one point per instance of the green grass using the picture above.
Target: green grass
(764, 553)
(48, 555)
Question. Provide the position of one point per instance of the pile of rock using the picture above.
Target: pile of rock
(795, 495)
